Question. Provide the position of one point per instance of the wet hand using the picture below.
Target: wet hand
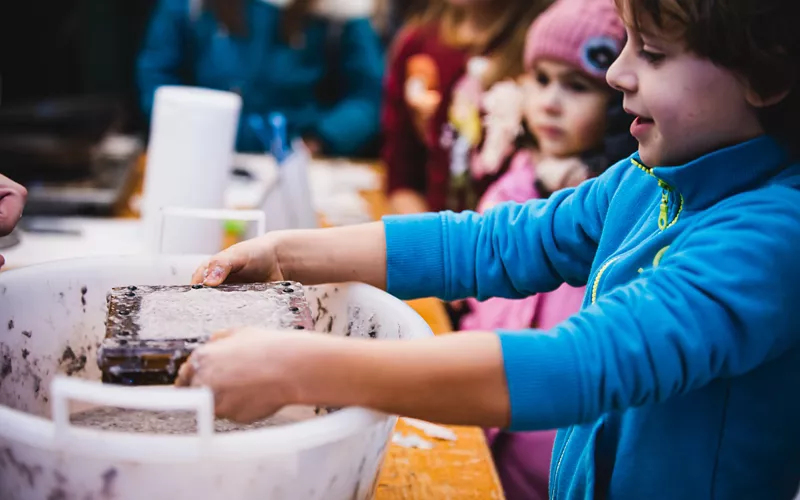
(250, 261)
(246, 371)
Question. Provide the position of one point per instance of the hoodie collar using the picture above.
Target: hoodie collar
(723, 173)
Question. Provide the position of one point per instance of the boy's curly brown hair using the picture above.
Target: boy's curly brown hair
(759, 40)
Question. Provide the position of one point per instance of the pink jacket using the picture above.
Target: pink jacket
(540, 311)
(522, 458)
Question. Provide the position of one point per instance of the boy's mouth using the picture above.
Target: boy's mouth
(641, 126)
(643, 120)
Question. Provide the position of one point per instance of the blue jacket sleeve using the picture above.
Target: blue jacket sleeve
(511, 251)
(721, 302)
(354, 120)
(163, 52)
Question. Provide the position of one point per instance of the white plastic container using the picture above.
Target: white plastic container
(52, 314)
(189, 158)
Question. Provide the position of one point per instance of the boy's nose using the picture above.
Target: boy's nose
(620, 75)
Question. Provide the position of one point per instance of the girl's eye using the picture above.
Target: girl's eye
(577, 86)
(650, 57)
(542, 79)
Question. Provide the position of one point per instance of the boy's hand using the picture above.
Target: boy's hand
(308, 256)
(246, 370)
(250, 261)
(12, 201)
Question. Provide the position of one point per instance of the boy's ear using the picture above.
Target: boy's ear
(758, 101)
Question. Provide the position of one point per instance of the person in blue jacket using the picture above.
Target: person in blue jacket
(318, 62)
(678, 378)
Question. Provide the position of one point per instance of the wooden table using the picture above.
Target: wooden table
(451, 470)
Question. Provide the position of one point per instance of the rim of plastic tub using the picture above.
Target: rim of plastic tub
(41, 432)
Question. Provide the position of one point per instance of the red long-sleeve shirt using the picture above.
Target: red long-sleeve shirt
(422, 166)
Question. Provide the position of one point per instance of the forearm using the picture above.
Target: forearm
(512, 251)
(336, 255)
(453, 379)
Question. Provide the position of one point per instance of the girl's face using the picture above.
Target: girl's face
(564, 109)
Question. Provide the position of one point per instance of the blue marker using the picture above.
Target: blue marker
(258, 126)
(280, 140)
(275, 139)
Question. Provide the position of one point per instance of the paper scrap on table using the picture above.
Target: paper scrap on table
(411, 441)
(431, 430)
(336, 188)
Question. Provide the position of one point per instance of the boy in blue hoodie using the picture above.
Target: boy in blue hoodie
(677, 379)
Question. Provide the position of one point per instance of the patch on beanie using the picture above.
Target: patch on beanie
(598, 54)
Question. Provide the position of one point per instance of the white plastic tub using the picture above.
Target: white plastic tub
(52, 309)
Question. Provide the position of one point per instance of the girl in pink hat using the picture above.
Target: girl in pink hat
(569, 125)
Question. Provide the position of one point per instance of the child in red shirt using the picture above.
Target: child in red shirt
(429, 59)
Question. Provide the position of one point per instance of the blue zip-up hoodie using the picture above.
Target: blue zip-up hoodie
(679, 377)
(187, 45)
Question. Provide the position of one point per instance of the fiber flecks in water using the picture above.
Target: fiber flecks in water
(11, 324)
(175, 422)
(27, 333)
(161, 314)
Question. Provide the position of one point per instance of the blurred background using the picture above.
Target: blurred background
(73, 49)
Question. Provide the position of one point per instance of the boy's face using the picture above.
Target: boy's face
(685, 105)
(564, 109)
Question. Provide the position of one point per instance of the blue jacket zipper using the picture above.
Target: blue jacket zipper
(664, 223)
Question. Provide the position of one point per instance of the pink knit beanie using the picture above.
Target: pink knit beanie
(587, 34)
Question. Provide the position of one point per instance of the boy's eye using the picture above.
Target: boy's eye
(650, 57)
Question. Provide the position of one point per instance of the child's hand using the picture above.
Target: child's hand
(422, 91)
(12, 201)
(246, 262)
(246, 371)
(503, 104)
(556, 174)
(422, 104)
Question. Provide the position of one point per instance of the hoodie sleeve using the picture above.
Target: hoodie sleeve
(354, 120)
(162, 57)
(511, 251)
(722, 301)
